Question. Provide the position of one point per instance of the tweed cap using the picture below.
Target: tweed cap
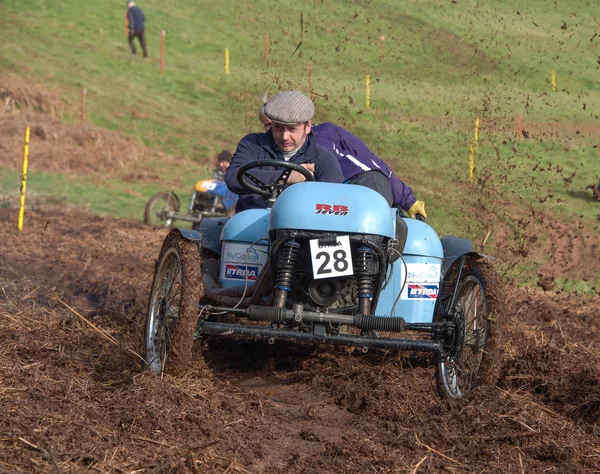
(289, 107)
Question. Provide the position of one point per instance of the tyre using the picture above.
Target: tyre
(158, 207)
(173, 307)
(475, 348)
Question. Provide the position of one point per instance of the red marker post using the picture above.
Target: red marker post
(83, 94)
(162, 51)
(520, 128)
(266, 53)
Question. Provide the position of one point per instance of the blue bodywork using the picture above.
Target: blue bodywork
(301, 207)
(251, 226)
(423, 248)
(413, 281)
(228, 198)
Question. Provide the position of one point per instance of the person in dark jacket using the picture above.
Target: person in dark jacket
(223, 162)
(361, 166)
(137, 28)
(289, 139)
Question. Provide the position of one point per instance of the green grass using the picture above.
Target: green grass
(111, 197)
(444, 65)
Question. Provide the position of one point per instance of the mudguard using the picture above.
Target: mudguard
(456, 247)
(210, 228)
(188, 234)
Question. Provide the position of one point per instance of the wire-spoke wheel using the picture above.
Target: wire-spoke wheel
(159, 209)
(173, 306)
(470, 358)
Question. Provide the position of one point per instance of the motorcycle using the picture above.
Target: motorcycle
(210, 198)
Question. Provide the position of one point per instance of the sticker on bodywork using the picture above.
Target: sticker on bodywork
(241, 261)
(422, 281)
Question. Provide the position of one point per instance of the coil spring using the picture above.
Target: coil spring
(364, 270)
(287, 261)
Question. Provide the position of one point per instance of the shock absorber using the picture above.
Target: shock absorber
(285, 269)
(364, 270)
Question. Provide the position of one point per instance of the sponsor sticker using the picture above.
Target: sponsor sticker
(422, 281)
(241, 272)
(422, 291)
(241, 261)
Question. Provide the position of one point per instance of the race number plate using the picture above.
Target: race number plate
(329, 261)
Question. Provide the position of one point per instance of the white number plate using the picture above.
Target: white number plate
(331, 261)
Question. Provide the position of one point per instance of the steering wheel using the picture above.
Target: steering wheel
(270, 190)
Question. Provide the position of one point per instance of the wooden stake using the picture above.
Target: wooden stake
(266, 53)
(83, 94)
(309, 79)
(520, 127)
(162, 51)
(381, 38)
(368, 94)
(23, 181)
(126, 23)
(472, 150)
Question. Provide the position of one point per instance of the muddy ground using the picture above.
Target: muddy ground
(74, 395)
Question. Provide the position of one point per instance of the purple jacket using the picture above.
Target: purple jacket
(261, 146)
(355, 158)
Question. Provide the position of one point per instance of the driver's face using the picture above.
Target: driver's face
(290, 137)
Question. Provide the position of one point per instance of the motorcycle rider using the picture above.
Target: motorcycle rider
(361, 166)
(223, 162)
(289, 139)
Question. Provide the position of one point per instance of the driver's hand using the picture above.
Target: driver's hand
(417, 208)
(296, 177)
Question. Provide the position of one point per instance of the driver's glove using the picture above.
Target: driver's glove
(417, 208)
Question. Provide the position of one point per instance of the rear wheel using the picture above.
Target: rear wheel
(159, 207)
(173, 307)
(475, 347)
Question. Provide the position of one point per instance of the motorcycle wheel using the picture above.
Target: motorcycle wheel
(173, 307)
(157, 207)
(476, 347)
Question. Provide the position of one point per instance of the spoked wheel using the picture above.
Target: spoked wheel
(474, 348)
(173, 307)
(159, 207)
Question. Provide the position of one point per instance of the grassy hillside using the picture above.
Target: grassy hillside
(444, 64)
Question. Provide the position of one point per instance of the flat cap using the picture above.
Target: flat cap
(289, 107)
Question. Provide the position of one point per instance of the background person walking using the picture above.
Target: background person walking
(136, 21)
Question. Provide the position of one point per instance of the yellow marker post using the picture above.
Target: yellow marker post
(23, 181)
(472, 151)
(226, 60)
(368, 83)
(553, 79)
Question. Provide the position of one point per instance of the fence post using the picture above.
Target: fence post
(23, 181)
(162, 51)
(83, 94)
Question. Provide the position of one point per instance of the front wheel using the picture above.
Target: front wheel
(475, 347)
(173, 307)
(159, 209)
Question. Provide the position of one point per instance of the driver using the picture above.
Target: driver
(290, 139)
(361, 166)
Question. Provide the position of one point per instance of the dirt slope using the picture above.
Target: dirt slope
(75, 398)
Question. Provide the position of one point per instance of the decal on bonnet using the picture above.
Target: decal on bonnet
(335, 209)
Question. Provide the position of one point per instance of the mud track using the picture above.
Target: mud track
(74, 396)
